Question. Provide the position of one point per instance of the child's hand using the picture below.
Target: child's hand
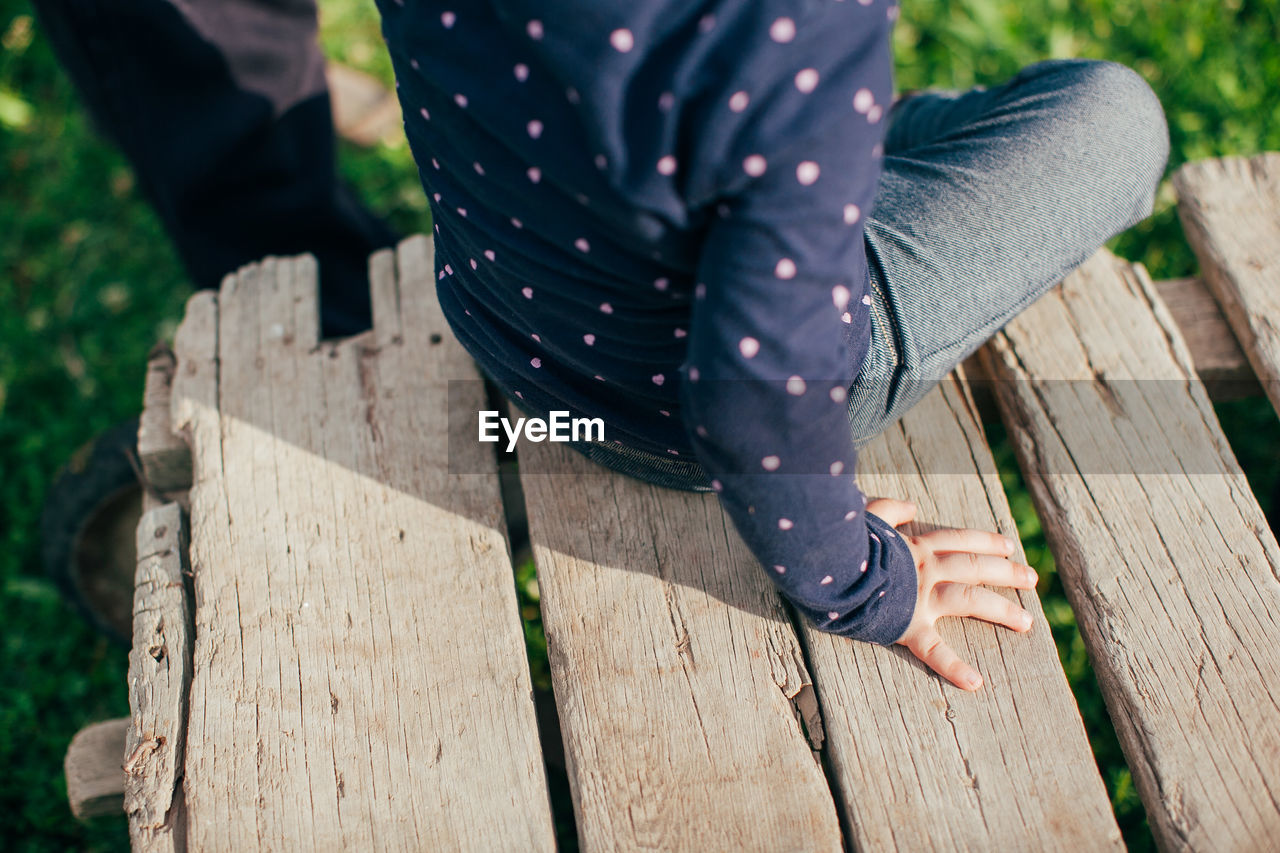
(952, 564)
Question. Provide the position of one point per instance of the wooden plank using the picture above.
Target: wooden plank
(159, 678)
(923, 765)
(164, 456)
(1164, 553)
(667, 645)
(360, 677)
(1230, 209)
(679, 680)
(95, 783)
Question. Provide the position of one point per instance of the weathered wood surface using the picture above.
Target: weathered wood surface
(95, 782)
(1215, 352)
(1165, 555)
(159, 678)
(1230, 209)
(164, 456)
(923, 765)
(679, 679)
(360, 679)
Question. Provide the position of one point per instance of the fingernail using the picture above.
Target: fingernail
(1032, 577)
(1008, 544)
(1025, 620)
(973, 680)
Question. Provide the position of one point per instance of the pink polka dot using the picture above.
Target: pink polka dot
(622, 40)
(840, 296)
(863, 100)
(754, 165)
(681, 333)
(435, 163)
(589, 339)
(571, 95)
(846, 317)
(892, 13)
(738, 101)
(673, 452)
(606, 308)
(599, 377)
(748, 347)
(582, 199)
(706, 23)
(462, 211)
(717, 486)
(474, 265)
(460, 99)
(426, 116)
(866, 299)
(518, 394)
(863, 567)
(535, 128)
(694, 374)
(534, 173)
(582, 245)
(831, 614)
(851, 515)
(516, 223)
(661, 283)
(536, 362)
(780, 569)
(658, 379)
(807, 80)
(448, 19)
(785, 524)
(837, 468)
(602, 162)
(700, 291)
(664, 413)
(852, 213)
(874, 114)
(807, 172)
(527, 292)
(448, 269)
(828, 579)
(881, 595)
(701, 431)
(436, 197)
(782, 30)
(521, 72)
(666, 101)
(440, 277)
(667, 165)
(413, 63)
(536, 338)
(785, 269)
(488, 253)
(479, 169)
(795, 386)
(770, 463)
(838, 394)
(534, 29)
(877, 150)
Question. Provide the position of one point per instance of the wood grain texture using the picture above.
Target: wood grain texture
(1230, 209)
(679, 679)
(1215, 352)
(164, 456)
(919, 763)
(95, 782)
(360, 680)
(159, 681)
(1164, 553)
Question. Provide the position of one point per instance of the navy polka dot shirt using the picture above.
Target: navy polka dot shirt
(651, 211)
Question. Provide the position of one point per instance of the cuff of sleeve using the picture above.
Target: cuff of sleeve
(891, 613)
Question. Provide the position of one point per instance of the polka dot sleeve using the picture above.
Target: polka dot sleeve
(782, 278)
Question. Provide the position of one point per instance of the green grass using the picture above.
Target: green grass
(88, 283)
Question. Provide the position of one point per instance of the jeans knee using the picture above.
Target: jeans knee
(1126, 119)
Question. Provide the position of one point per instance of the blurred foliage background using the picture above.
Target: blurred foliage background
(88, 283)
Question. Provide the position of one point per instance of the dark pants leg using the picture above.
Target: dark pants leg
(222, 110)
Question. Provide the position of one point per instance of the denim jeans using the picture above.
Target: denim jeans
(986, 200)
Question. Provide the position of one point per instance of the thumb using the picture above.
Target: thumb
(893, 511)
